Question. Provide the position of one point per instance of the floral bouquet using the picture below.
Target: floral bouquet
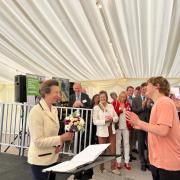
(74, 122)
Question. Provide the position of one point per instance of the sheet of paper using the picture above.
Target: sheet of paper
(66, 166)
(88, 155)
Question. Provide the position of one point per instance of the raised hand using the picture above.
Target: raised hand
(132, 118)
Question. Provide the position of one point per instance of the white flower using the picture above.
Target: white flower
(75, 120)
(67, 127)
(71, 118)
(81, 122)
(79, 127)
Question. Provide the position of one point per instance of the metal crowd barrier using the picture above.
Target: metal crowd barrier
(14, 130)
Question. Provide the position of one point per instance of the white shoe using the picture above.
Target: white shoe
(116, 171)
(104, 171)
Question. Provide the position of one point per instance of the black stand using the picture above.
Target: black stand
(20, 134)
(100, 160)
(12, 142)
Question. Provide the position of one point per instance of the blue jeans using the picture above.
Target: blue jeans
(39, 175)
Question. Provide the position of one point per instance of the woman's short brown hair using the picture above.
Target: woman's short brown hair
(45, 87)
(104, 92)
(164, 86)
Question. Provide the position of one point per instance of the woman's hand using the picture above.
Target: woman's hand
(67, 136)
(136, 127)
(58, 149)
(108, 118)
(133, 119)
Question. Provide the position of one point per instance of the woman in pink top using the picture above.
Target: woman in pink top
(163, 131)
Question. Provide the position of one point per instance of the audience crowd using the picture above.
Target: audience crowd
(110, 125)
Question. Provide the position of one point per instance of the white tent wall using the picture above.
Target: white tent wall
(93, 87)
(7, 93)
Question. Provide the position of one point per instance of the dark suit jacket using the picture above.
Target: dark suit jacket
(85, 100)
(143, 114)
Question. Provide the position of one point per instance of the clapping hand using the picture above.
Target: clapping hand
(144, 103)
(133, 119)
(77, 104)
(108, 118)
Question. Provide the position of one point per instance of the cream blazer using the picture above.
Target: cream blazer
(44, 127)
(99, 120)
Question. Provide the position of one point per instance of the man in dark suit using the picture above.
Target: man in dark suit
(132, 132)
(141, 106)
(81, 100)
(130, 91)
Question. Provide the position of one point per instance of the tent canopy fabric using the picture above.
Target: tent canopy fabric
(77, 40)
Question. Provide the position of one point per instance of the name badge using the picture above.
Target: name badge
(84, 101)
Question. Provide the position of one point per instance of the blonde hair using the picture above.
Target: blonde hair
(121, 94)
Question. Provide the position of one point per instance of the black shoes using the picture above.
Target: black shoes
(143, 167)
(132, 158)
(135, 151)
(148, 167)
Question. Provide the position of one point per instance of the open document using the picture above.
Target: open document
(88, 155)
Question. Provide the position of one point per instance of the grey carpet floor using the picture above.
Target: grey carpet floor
(13, 167)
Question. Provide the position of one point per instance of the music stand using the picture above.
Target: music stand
(100, 160)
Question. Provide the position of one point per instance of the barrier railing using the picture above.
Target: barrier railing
(14, 130)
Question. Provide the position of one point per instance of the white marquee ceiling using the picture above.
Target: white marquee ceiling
(75, 39)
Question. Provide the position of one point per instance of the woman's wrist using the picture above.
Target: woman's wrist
(139, 123)
(62, 139)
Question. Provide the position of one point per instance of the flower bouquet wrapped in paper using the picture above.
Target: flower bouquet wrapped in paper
(74, 122)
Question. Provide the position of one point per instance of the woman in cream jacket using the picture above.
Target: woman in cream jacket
(105, 117)
(43, 125)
